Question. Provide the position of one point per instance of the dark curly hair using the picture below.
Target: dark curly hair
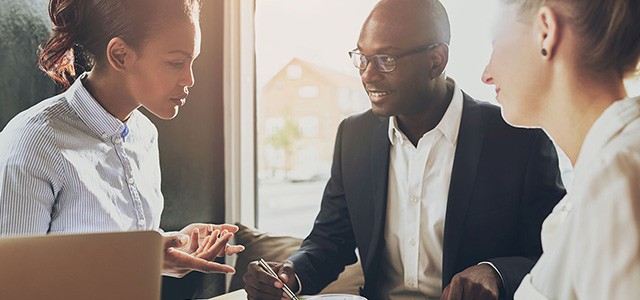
(82, 30)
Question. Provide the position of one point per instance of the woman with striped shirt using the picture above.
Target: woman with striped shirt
(87, 160)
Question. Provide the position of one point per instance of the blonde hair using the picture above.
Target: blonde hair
(609, 30)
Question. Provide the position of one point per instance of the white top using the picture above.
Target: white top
(591, 240)
(419, 179)
(68, 166)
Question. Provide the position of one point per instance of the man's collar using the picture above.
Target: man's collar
(449, 125)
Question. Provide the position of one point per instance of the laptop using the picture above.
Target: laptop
(122, 265)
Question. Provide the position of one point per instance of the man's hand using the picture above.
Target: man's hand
(194, 248)
(261, 285)
(479, 282)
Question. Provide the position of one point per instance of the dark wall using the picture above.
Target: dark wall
(191, 146)
(192, 153)
(24, 24)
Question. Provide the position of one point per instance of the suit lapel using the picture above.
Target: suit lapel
(380, 145)
(470, 139)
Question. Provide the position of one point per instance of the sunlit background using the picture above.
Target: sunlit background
(306, 84)
(323, 31)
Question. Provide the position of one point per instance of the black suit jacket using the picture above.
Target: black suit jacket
(504, 182)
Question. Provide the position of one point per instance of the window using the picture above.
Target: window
(308, 126)
(308, 91)
(303, 77)
(295, 45)
(298, 48)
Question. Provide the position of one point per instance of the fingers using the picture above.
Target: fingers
(452, 292)
(261, 285)
(215, 247)
(183, 260)
(202, 246)
(175, 240)
(203, 237)
(208, 242)
(185, 253)
(478, 282)
(195, 238)
(227, 227)
(211, 227)
(203, 228)
(234, 249)
(445, 293)
(287, 274)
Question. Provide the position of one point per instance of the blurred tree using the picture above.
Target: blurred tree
(24, 25)
(284, 138)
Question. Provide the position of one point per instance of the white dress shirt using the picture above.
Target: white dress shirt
(591, 240)
(419, 179)
(68, 166)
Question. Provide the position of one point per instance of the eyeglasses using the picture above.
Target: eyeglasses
(383, 62)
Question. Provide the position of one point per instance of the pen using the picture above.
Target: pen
(286, 289)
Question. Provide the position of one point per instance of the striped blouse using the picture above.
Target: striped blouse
(68, 166)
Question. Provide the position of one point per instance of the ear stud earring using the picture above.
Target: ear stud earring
(544, 52)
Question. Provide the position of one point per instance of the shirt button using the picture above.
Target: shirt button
(118, 140)
(412, 242)
(414, 199)
(141, 222)
(130, 180)
(105, 136)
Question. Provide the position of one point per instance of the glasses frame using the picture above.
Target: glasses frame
(371, 58)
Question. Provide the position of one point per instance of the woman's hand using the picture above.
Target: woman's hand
(196, 246)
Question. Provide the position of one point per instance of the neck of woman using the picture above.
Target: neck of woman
(575, 103)
(111, 93)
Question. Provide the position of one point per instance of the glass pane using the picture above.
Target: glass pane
(306, 85)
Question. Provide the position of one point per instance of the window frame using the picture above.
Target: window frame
(240, 112)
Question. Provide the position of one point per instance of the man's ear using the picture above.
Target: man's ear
(120, 55)
(547, 31)
(439, 59)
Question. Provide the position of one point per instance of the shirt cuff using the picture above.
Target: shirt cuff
(496, 269)
(299, 285)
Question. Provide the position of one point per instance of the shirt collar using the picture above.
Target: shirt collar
(449, 125)
(607, 126)
(92, 114)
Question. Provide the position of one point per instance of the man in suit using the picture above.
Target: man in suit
(432, 187)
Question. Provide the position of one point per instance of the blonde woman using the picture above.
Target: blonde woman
(560, 65)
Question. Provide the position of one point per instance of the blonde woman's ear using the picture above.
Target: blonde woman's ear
(547, 31)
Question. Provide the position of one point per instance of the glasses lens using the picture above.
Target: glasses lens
(359, 60)
(384, 63)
